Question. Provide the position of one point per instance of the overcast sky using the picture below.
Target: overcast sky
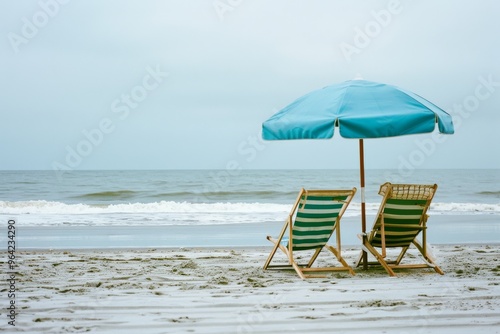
(185, 84)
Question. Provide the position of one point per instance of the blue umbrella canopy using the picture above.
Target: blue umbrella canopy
(360, 109)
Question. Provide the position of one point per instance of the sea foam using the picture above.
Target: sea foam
(43, 212)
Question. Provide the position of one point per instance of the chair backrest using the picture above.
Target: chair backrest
(318, 214)
(402, 214)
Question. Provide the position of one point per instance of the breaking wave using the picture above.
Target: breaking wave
(49, 207)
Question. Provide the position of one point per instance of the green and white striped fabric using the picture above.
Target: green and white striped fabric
(315, 221)
(406, 212)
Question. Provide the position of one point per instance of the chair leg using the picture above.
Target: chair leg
(298, 270)
(358, 261)
(401, 255)
(380, 259)
(277, 244)
(427, 259)
(340, 259)
(273, 251)
(314, 257)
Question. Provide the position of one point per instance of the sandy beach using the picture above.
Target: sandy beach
(212, 290)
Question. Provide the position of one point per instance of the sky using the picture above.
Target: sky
(186, 84)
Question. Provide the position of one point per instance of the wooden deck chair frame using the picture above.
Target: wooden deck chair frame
(342, 197)
(387, 232)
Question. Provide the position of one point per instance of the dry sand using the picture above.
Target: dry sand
(207, 290)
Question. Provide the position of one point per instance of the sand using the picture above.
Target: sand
(209, 290)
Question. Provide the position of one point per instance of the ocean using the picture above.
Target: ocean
(183, 208)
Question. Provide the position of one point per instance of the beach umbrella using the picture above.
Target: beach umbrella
(360, 110)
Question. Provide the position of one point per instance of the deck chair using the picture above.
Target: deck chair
(401, 218)
(314, 217)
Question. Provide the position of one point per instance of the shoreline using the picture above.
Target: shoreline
(217, 248)
(442, 229)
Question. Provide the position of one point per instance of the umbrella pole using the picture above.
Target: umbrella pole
(363, 209)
